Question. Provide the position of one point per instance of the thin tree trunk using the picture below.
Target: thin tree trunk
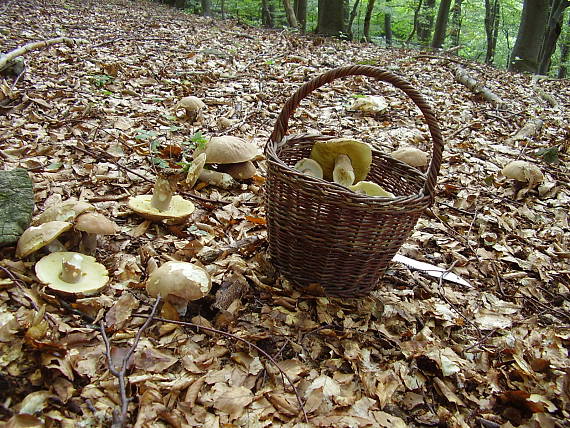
(367, 18)
(416, 19)
(441, 24)
(351, 20)
(301, 14)
(456, 20)
(388, 23)
(206, 8)
(291, 18)
(564, 51)
(425, 22)
(267, 14)
(492, 8)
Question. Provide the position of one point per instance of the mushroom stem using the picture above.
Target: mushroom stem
(71, 269)
(218, 179)
(88, 242)
(343, 173)
(162, 193)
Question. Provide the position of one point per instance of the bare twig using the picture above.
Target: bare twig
(241, 339)
(120, 419)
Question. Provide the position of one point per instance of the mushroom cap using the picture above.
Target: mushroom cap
(240, 171)
(371, 189)
(190, 104)
(94, 275)
(309, 167)
(326, 152)
(96, 223)
(523, 171)
(195, 169)
(411, 155)
(179, 208)
(370, 104)
(35, 237)
(65, 211)
(228, 149)
(179, 281)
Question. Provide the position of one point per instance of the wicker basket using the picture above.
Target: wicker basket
(322, 234)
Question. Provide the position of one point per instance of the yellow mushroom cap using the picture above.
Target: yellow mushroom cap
(309, 167)
(93, 276)
(179, 208)
(35, 237)
(228, 149)
(326, 152)
(371, 189)
(178, 281)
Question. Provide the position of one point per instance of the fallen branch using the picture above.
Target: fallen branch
(4, 60)
(529, 129)
(241, 339)
(476, 87)
(120, 419)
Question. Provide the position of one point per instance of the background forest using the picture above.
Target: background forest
(514, 34)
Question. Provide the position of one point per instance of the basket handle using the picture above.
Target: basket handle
(282, 123)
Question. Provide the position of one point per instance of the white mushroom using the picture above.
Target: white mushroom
(524, 172)
(309, 167)
(411, 155)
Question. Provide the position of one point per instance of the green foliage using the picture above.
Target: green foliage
(100, 80)
(549, 155)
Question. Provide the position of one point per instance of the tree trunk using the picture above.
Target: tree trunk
(564, 51)
(351, 19)
(388, 23)
(492, 8)
(416, 20)
(206, 8)
(456, 19)
(267, 19)
(524, 56)
(331, 17)
(301, 14)
(553, 30)
(367, 18)
(425, 22)
(441, 24)
(290, 12)
(180, 4)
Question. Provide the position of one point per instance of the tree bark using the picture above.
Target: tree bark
(553, 30)
(267, 19)
(492, 8)
(456, 19)
(206, 8)
(425, 22)
(331, 17)
(301, 14)
(564, 51)
(290, 12)
(441, 24)
(367, 18)
(524, 56)
(388, 23)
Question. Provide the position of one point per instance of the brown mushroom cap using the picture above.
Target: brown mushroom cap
(326, 152)
(35, 237)
(65, 211)
(411, 155)
(240, 171)
(191, 104)
(179, 208)
(228, 149)
(93, 276)
(96, 223)
(179, 281)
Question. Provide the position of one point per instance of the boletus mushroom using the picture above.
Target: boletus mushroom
(162, 204)
(71, 272)
(411, 155)
(523, 171)
(309, 167)
(370, 188)
(189, 108)
(343, 160)
(36, 237)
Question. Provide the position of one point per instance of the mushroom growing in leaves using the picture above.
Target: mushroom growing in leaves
(36, 237)
(343, 160)
(65, 211)
(189, 108)
(162, 204)
(71, 272)
(309, 167)
(91, 225)
(523, 171)
(179, 282)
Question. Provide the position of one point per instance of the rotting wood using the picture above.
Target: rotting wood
(529, 129)
(4, 60)
(475, 86)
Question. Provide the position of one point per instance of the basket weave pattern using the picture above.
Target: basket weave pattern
(322, 233)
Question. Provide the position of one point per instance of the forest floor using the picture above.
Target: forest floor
(96, 120)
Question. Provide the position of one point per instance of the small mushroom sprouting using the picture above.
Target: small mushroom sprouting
(178, 283)
(370, 188)
(91, 225)
(72, 273)
(411, 155)
(523, 171)
(65, 211)
(189, 108)
(162, 204)
(233, 155)
(309, 167)
(36, 237)
(344, 161)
